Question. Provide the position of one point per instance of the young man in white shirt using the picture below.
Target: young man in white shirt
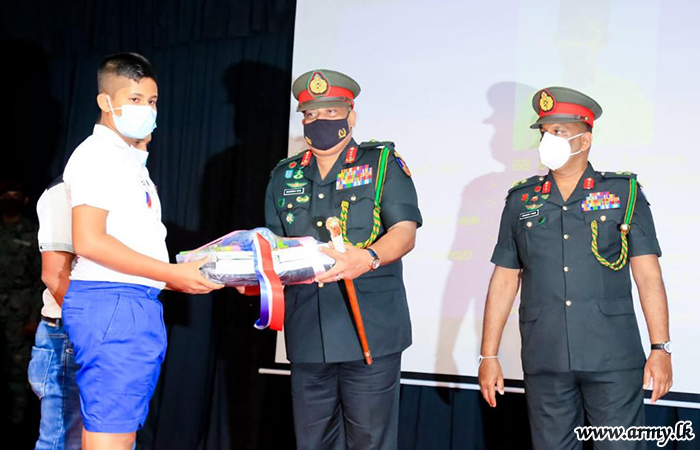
(111, 310)
(52, 367)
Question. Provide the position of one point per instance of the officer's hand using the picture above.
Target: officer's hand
(187, 278)
(658, 368)
(348, 266)
(490, 378)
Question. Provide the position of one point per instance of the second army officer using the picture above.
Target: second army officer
(340, 402)
(569, 240)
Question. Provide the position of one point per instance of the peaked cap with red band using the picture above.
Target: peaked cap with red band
(323, 88)
(563, 105)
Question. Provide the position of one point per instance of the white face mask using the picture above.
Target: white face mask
(136, 121)
(555, 151)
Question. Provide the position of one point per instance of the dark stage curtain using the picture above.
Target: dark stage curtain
(224, 71)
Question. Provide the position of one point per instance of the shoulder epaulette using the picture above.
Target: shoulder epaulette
(291, 158)
(619, 174)
(526, 182)
(377, 144)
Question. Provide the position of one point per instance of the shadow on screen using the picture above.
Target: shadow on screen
(477, 227)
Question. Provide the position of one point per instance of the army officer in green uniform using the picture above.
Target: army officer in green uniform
(571, 237)
(339, 401)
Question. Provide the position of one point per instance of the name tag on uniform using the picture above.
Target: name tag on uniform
(529, 214)
(353, 177)
(293, 191)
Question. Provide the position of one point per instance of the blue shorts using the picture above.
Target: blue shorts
(119, 337)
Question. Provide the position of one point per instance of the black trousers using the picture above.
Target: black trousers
(556, 404)
(347, 406)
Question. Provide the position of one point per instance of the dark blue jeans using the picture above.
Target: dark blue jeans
(52, 376)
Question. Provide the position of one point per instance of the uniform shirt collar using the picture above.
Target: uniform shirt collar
(578, 193)
(314, 175)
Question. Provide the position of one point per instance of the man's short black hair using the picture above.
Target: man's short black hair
(130, 65)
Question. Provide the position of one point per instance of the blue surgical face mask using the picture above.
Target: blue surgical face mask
(136, 121)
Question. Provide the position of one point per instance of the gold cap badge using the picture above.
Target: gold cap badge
(318, 84)
(547, 102)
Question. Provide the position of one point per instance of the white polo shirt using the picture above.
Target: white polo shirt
(54, 234)
(106, 173)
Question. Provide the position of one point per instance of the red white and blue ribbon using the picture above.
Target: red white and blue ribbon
(271, 291)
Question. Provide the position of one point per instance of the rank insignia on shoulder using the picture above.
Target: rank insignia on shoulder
(402, 164)
(534, 181)
(353, 177)
(597, 201)
(619, 174)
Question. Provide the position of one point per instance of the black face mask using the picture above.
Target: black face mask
(324, 134)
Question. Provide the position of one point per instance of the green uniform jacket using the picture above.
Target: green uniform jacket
(575, 313)
(318, 323)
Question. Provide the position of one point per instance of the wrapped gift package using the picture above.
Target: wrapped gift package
(232, 258)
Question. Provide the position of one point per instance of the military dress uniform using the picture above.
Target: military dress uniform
(581, 347)
(339, 402)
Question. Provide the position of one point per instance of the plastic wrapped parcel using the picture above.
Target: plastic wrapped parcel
(260, 257)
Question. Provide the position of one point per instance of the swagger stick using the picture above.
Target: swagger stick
(333, 226)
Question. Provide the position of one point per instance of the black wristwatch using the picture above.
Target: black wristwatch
(667, 347)
(374, 264)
